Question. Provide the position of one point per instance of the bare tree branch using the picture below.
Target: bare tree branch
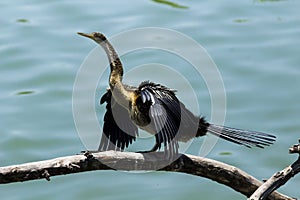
(279, 178)
(198, 166)
(295, 148)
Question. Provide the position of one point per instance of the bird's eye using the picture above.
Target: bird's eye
(99, 35)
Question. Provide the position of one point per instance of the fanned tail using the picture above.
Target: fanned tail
(242, 137)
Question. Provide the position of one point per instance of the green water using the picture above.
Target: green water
(255, 45)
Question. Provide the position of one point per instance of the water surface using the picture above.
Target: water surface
(255, 45)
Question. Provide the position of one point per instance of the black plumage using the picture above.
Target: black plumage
(156, 109)
(116, 135)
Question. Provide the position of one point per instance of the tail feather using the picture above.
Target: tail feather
(242, 137)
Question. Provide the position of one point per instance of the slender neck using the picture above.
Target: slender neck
(116, 68)
(119, 91)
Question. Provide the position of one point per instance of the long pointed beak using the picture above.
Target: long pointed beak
(86, 35)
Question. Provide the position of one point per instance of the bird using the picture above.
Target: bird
(157, 110)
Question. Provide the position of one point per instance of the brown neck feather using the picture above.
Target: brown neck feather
(116, 68)
(119, 91)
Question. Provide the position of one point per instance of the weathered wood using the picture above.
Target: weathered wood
(295, 148)
(198, 166)
(279, 178)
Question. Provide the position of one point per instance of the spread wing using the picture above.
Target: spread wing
(118, 129)
(164, 114)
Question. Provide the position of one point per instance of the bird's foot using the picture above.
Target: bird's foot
(88, 151)
(88, 154)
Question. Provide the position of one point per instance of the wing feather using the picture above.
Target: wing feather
(116, 136)
(164, 114)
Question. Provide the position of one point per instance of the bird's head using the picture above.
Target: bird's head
(96, 36)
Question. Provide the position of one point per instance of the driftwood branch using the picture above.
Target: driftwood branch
(279, 178)
(198, 166)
